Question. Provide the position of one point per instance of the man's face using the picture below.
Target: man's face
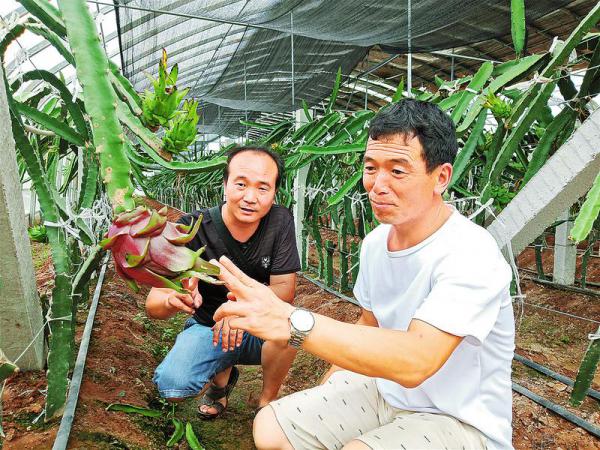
(395, 177)
(250, 186)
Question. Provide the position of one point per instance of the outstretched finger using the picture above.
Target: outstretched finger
(240, 323)
(231, 281)
(235, 271)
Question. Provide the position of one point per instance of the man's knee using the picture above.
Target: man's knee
(356, 445)
(268, 435)
(173, 385)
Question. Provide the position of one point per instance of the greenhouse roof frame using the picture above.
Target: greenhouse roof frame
(237, 81)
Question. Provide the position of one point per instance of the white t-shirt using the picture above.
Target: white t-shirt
(458, 281)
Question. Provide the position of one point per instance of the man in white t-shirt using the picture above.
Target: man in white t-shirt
(427, 366)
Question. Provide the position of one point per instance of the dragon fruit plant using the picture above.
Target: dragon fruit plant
(182, 129)
(160, 107)
(146, 248)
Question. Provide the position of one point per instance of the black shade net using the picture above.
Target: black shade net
(239, 69)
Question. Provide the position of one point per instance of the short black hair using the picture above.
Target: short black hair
(427, 121)
(256, 149)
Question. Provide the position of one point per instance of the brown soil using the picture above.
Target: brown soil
(126, 347)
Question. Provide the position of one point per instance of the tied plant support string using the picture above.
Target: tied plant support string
(15, 362)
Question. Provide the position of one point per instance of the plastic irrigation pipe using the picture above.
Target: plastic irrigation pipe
(542, 369)
(62, 437)
(563, 287)
(516, 387)
(331, 291)
(587, 426)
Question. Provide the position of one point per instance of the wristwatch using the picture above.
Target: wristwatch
(302, 322)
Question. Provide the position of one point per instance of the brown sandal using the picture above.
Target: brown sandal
(213, 394)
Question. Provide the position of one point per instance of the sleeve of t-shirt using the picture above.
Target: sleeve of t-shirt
(467, 293)
(285, 258)
(361, 287)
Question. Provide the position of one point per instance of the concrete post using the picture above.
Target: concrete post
(565, 253)
(561, 181)
(300, 191)
(20, 310)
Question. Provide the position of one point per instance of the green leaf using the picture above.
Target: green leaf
(399, 91)
(65, 94)
(348, 185)
(589, 21)
(504, 73)
(517, 133)
(476, 84)
(7, 368)
(450, 102)
(334, 93)
(262, 126)
(131, 409)
(306, 111)
(548, 140)
(49, 122)
(588, 213)
(467, 151)
(336, 150)
(47, 14)
(191, 438)
(586, 372)
(518, 26)
(200, 166)
(99, 97)
(177, 434)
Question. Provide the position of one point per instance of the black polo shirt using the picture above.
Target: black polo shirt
(271, 250)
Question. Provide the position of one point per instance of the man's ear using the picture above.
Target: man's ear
(443, 178)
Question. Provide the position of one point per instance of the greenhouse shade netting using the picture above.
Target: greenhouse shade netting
(242, 58)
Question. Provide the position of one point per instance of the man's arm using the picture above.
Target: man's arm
(284, 286)
(366, 318)
(406, 357)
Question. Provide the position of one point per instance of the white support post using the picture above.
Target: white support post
(565, 253)
(20, 310)
(409, 55)
(300, 191)
(565, 178)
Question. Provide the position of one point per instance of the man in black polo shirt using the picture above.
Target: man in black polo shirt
(258, 235)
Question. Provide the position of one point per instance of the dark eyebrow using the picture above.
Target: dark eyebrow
(245, 178)
(404, 161)
(401, 161)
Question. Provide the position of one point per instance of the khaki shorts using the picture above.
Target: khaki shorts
(349, 406)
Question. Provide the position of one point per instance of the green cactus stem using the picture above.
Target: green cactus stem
(586, 372)
(60, 307)
(100, 102)
(7, 368)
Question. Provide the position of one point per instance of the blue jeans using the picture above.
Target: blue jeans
(193, 360)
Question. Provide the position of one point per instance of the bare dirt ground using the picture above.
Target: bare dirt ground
(126, 347)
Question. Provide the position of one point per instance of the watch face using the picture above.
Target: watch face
(302, 320)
